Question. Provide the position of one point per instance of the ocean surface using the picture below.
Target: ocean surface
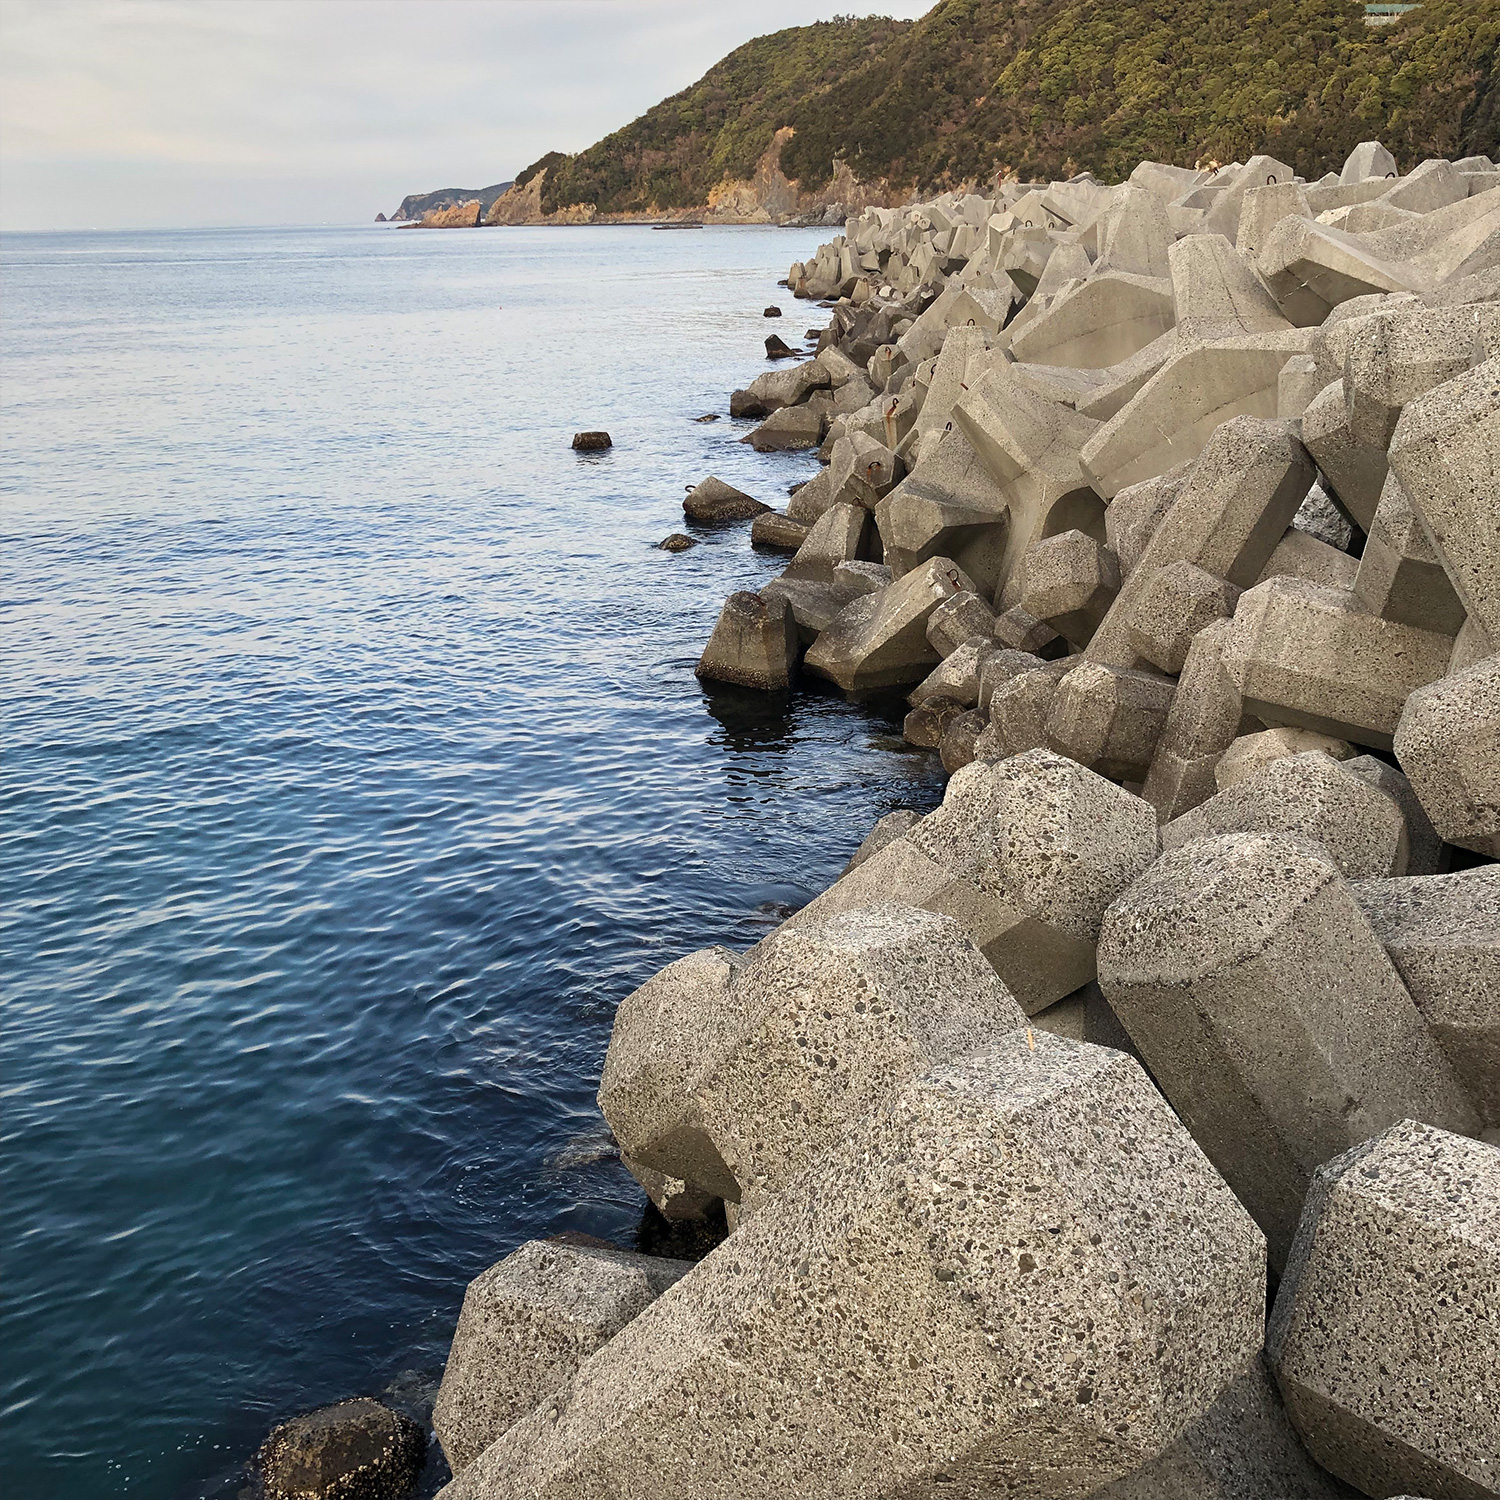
(353, 770)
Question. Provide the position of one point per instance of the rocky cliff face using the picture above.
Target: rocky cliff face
(460, 216)
(416, 206)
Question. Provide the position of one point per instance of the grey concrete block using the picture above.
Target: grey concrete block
(1136, 512)
(1300, 555)
(1446, 451)
(958, 675)
(1443, 934)
(712, 502)
(1251, 752)
(927, 724)
(526, 1326)
(1216, 291)
(754, 644)
(1354, 473)
(1427, 854)
(1106, 319)
(1204, 720)
(1448, 743)
(1070, 580)
(957, 620)
(1311, 658)
(1383, 1334)
(959, 742)
(1018, 710)
(1026, 854)
(837, 536)
(1019, 631)
(1176, 602)
(889, 828)
(1269, 1014)
(1310, 795)
(880, 640)
(903, 1320)
(998, 669)
(1110, 718)
(1368, 159)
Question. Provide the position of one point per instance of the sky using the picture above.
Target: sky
(161, 113)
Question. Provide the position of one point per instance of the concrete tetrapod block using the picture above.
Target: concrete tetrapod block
(1018, 710)
(1175, 604)
(1428, 854)
(1368, 159)
(1353, 472)
(665, 1034)
(880, 640)
(1136, 512)
(1107, 319)
(1391, 360)
(957, 677)
(927, 725)
(754, 644)
(1313, 797)
(1299, 555)
(1243, 1447)
(1000, 666)
(712, 502)
(1269, 1014)
(1217, 293)
(1250, 753)
(1031, 449)
(526, 1326)
(1443, 934)
(1070, 580)
(1231, 511)
(957, 620)
(1204, 720)
(837, 536)
(1309, 657)
(1110, 718)
(1400, 575)
(886, 831)
(1025, 854)
(837, 1012)
(1178, 409)
(959, 744)
(1310, 269)
(948, 506)
(905, 1318)
(1448, 743)
(1383, 1334)
(1446, 452)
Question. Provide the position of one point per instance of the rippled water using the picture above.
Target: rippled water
(353, 770)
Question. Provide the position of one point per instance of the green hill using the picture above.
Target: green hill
(1050, 87)
(679, 151)
(1046, 88)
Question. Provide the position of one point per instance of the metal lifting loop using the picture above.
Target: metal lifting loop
(1270, 177)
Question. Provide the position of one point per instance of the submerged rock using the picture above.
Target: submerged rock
(677, 542)
(353, 1450)
(591, 442)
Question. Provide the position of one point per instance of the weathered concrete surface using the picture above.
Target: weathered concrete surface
(886, 831)
(1070, 580)
(880, 640)
(958, 676)
(1175, 603)
(1025, 854)
(1446, 452)
(1309, 795)
(1448, 743)
(712, 502)
(957, 620)
(1251, 752)
(359, 1448)
(902, 1319)
(1311, 658)
(1383, 1334)
(1442, 932)
(754, 644)
(526, 1326)
(1400, 575)
(1269, 1014)
(1110, 719)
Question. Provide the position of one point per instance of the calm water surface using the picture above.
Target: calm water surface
(353, 770)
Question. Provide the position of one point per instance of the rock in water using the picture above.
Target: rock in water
(591, 442)
(777, 348)
(754, 644)
(353, 1450)
(714, 501)
(773, 312)
(677, 542)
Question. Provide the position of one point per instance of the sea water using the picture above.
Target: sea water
(353, 769)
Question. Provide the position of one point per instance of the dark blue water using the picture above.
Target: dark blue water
(353, 770)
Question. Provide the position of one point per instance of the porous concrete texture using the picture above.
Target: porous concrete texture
(1383, 1336)
(880, 640)
(1309, 657)
(1243, 1447)
(959, 744)
(1269, 1014)
(1250, 752)
(1442, 932)
(754, 644)
(1426, 852)
(1070, 580)
(1176, 602)
(1018, 710)
(1401, 576)
(1446, 451)
(1205, 718)
(927, 725)
(958, 676)
(903, 1319)
(957, 620)
(837, 536)
(1110, 719)
(526, 1326)
(713, 502)
(1026, 854)
(1448, 743)
(886, 831)
(1312, 796)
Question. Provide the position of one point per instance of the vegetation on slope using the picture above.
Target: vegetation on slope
(677, 152)
(1050, 87)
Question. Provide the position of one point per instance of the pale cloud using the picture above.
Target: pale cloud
(160, 112)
